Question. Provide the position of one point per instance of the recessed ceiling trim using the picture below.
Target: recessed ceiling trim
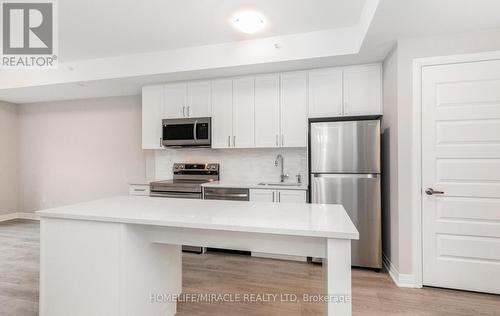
(278, 49)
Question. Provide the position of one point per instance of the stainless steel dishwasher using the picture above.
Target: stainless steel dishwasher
(232, 194)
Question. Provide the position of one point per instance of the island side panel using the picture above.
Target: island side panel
(96, 268)
(79, 268)
(152, 273)
(337, 274)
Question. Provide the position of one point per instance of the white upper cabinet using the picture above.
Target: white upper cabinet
(175, 102)
(243, 112)
(198, 99)
(325, 92)
(222, 113)
(267, 110)
(294, 109)
(152, 114)
(363, 90)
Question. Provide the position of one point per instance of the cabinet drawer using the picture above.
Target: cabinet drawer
(139, 189)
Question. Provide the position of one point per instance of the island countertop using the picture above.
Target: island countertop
(311, 220)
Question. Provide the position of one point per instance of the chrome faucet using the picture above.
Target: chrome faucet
(283, 176)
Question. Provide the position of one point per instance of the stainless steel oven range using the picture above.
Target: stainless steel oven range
(186, 184)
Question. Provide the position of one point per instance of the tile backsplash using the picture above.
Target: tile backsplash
(237, 165)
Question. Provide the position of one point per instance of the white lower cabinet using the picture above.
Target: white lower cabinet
(278, 196)
(262, 195)
(291, 196)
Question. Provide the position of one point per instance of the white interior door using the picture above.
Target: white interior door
(461, 158)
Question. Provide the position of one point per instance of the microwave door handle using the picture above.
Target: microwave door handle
(194, 131)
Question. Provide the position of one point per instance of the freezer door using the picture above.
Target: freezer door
(360, 196)
(345, 147)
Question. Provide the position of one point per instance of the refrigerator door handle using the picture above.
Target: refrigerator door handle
(346, 175)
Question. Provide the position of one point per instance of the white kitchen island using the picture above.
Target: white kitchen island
(111, 256)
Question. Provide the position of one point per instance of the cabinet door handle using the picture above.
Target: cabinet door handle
(188, 111)
(234, 140)
(161, 142)
(279, 197)
(282, 140)
(273, 196)
(184, 111)
(229, 141)
(277, 140)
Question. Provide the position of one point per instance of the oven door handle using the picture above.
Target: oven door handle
(194, 131)
(176, 195)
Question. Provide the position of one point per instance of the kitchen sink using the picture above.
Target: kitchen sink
(280, 184)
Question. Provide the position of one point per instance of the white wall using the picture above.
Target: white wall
(390, 216)
(408, 50)
(73, 151)
(8, 158)
(238, 165)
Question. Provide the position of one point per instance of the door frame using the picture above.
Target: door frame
(416, 168)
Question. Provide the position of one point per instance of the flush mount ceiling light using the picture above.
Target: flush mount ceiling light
(248, 22)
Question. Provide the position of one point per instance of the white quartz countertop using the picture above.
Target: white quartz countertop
(255, 185)
(313, 220)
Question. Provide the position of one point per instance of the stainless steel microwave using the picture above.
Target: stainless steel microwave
(187, 132)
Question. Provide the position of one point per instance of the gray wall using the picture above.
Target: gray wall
(8, 158)
(73, 151)
(390, 224)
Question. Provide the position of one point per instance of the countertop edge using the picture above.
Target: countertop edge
(232, 228)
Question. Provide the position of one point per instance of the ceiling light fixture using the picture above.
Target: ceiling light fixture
(248, 21)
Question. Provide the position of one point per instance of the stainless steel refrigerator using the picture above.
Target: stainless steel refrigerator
(345, 169)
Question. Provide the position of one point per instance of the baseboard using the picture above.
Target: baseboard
(401, 279)
(19, 215)
(8, 217)
(28, 215)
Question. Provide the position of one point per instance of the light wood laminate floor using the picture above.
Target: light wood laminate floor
(373, 293)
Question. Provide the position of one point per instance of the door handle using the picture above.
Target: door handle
(431, 191)
(184, 111)
(188, 111)
(194, 129)
(234, 140)
(229, 141)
